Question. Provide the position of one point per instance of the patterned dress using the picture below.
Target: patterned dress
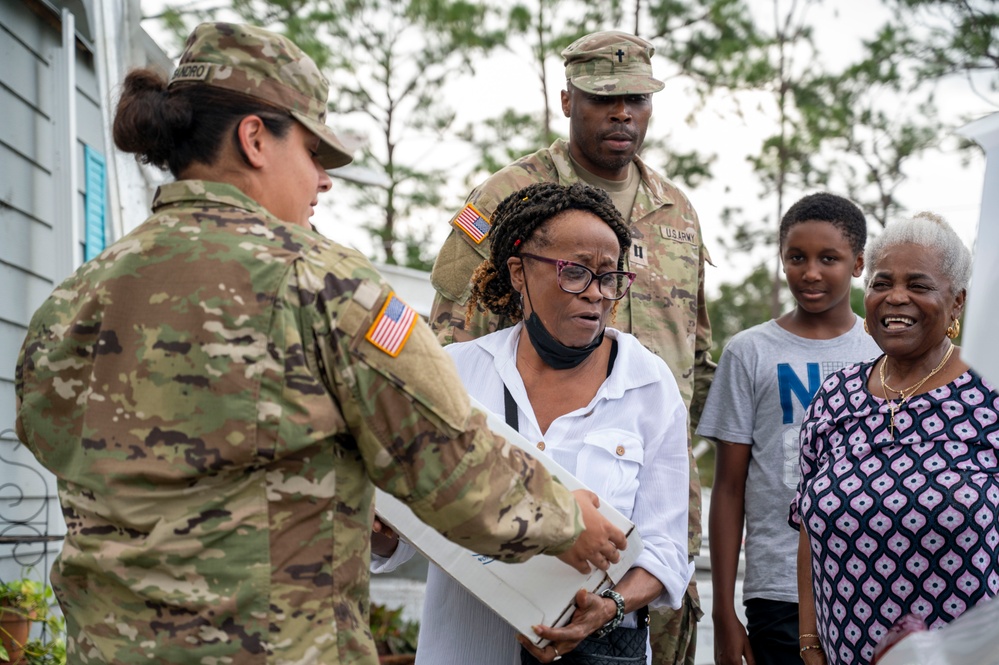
(898, 526)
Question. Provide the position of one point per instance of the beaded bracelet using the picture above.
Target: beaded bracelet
(806, 635)
(810, 646)
(618, 613)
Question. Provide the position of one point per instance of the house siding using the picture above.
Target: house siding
(31, 262)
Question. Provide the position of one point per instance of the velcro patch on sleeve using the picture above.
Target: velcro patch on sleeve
(366, 295)
(472, 222)
(392, 326)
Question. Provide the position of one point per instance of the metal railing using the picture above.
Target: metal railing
(27, 502)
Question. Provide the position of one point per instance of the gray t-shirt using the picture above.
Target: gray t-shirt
(764, 382)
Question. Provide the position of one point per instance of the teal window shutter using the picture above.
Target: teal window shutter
(95, 175)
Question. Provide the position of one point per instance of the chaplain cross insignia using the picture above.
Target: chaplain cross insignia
(620, 55)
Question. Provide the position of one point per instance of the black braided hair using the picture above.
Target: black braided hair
(520, 220)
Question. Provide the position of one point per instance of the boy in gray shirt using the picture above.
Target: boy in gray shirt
(764, 382)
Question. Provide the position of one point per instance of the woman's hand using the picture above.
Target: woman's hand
(814, 657)
(592, 612)
(383, 539)
(599, 543)
(807, 622)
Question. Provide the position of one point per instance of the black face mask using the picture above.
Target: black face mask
(554, 353)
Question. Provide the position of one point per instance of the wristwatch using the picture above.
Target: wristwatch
(618, 615)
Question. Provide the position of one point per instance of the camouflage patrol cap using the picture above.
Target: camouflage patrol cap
(265, 65)
(611, 63)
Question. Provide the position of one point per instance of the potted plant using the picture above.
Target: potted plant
(23, 602)
(395, 637)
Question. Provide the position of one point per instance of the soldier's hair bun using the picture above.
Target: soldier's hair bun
(172, 129)
(147, 118)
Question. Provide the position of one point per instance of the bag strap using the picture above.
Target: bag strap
(510, 406)
(510, 409)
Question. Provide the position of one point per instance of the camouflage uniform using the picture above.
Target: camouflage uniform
(665, 309)
(207, 397)
(215, 394)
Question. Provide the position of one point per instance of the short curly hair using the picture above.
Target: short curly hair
(520, 219)
(932, 232)
(825, 207)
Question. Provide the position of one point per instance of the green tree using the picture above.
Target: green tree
(948, 37)
(783, 63)
(539, 29)
(738, 306)
(695, 37)
(873, 142)
(926, 41)
(388, 62)
(707, 40)
(840, 130)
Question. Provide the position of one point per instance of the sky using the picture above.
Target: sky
(944, 182)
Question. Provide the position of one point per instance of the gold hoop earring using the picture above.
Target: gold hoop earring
(866, 329)
(954, 330)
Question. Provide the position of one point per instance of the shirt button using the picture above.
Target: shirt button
(541, 445)
(619, 450)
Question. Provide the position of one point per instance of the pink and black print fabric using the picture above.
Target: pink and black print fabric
(901, 526)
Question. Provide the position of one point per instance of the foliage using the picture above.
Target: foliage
(37, 652)
(34, 600)
(837, 130)
(499, 140)
(544, 27)
(708, 40)
(948, 37)
(26, 596)
(852, 129)
(739, 306)
(392, 633)
(539, 29)
(388, 62)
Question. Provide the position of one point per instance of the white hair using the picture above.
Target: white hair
(932, 232)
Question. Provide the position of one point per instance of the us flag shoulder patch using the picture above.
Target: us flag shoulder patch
(473, 223)
(392, 326)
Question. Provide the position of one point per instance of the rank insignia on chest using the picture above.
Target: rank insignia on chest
(639, 255)
(473, 223)
(392, 326)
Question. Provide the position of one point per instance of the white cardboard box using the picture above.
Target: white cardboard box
(969, 639)
(539, 591)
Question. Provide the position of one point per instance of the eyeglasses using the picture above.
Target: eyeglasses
(576, 278)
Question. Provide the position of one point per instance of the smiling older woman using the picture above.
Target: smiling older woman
(594, 399)
(899, 490)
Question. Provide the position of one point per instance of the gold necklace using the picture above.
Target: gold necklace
(911, 390)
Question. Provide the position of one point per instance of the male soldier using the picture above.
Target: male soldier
(218, 390)
(609, 86)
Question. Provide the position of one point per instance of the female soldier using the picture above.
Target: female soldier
(217, 390)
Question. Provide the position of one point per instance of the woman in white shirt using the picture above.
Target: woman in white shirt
(600, 404)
